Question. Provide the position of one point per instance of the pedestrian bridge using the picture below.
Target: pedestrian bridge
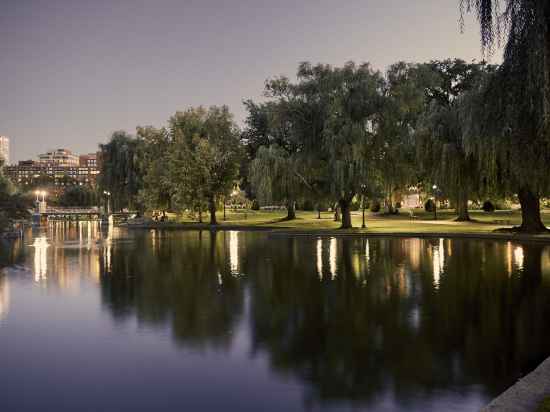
(68, 213)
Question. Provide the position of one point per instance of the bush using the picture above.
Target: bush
(308, 205)
(375, 206)
(488, 206)
(255, 205)
(429, 206)
(355, 205)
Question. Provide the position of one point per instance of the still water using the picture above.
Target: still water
(97, 319)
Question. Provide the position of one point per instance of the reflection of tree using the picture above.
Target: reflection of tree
(390, 325)
(179, 278)
(11, 252)
(350, 318)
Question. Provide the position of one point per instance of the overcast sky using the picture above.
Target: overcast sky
(74, 71)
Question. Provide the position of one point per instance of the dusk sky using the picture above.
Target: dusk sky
(75, 71)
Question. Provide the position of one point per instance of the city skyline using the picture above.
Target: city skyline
(77, 71)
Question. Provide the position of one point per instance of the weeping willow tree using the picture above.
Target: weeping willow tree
(120, 174)
(274, 176)
(403, 105)
(508, 118)
(344, 136)
(440, 146)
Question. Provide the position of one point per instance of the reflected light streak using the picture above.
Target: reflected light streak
(438, 259)
(332, 256)
(4, 296)
(320, 258)
(518, 257)
(40, 258)
(234, 251)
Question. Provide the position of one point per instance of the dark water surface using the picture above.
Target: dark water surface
(117, 320)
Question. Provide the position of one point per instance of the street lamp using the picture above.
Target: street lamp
(434, 187)
(37, 192)
(108, 194)
(363, 190)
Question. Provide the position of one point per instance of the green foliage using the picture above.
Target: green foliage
(488, 206)
(120, 173)
(274, 175)
(78, 196)
(204, 157)
(154, 152)
(375, 206)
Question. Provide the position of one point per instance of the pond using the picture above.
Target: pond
(110, 319)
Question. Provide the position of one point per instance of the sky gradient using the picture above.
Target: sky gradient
(74, 71)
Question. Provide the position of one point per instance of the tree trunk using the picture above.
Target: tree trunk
(212, 210)
(462, 205)
(200, 214)
(318, 212)
(290, 210)
(530, 212)
(346, 214)
(336, 212)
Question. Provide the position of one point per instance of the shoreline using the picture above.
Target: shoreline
(282, 231)
(526, 394)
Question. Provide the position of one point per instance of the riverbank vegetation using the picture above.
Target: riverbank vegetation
(344, 137)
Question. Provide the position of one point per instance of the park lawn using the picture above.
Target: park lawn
(377, 223)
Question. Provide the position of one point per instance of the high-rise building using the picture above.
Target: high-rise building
(5, 149)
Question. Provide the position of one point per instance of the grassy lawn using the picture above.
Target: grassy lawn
(376, 222)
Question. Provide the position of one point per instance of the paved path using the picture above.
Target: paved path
(526, 394)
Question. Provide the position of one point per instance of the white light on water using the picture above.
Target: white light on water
(40, 258)
(367, 253)
(518, 257)
(332, 257)
(438, 260)
(320, 258)
(234, 251)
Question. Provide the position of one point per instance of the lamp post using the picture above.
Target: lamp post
(363, 189)
(108, 195)
(37, 193)
(434, 187)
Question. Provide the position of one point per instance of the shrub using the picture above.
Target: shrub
(355, 205)
(429, 206)
(375, 206)
(308, 205)
(255, 205)
(488, 206)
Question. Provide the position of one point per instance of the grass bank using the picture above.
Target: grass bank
(483, 224)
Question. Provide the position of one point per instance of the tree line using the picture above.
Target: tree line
(335, 133)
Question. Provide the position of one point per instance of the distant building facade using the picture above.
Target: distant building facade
(60, 167)
(59, 157)
(5, 149)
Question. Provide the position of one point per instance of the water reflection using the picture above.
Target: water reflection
(4, 296)
(401, 321)
(40, 258)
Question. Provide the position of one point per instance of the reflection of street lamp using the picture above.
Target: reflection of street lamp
(37, 192)
(43, 193)
(434, 187)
